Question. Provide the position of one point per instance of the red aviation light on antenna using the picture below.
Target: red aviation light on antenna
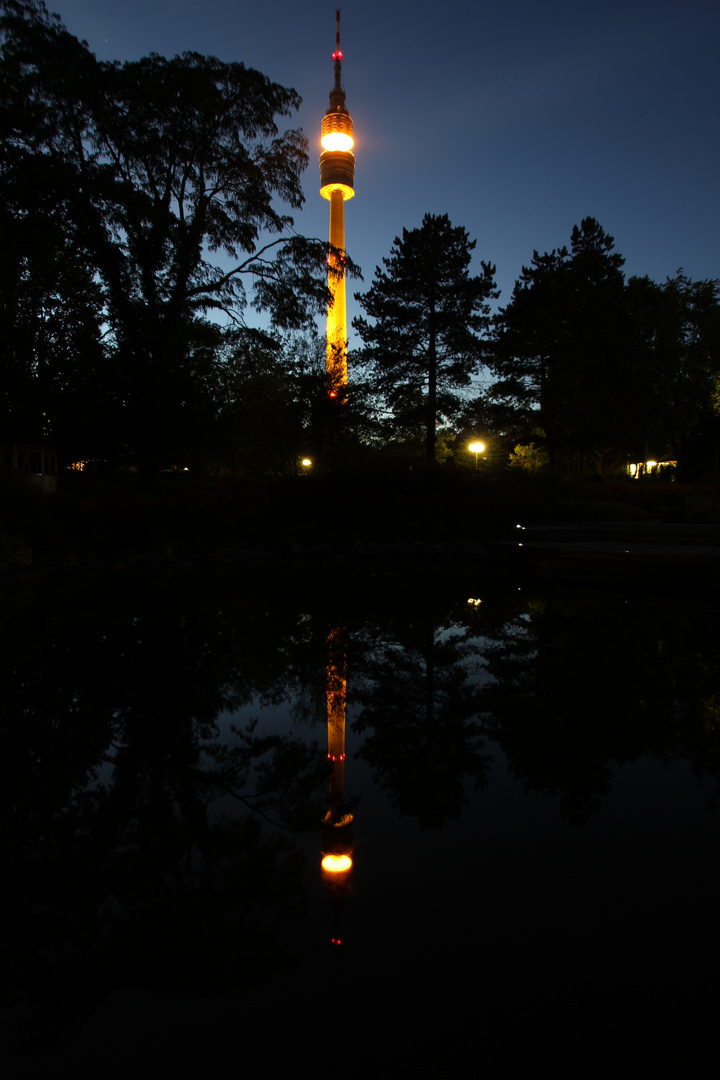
(337, 55)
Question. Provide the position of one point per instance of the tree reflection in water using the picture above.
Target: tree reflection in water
(121, 872)
(148, 843)
(580, 682)
(419, 704)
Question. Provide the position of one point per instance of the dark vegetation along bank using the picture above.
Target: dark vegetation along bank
(421, 519)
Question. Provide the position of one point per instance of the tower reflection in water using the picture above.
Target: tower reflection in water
(336, 842)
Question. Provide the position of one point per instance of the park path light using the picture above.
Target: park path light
(476, 448)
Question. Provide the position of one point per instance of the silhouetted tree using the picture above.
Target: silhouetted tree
(676, 328)
(162, 165)
(427, 313)
(258, 428)
(562, 349)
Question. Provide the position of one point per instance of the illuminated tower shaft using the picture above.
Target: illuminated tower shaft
(337, 176)
(336, 832)
(336, 345)
(336, 721)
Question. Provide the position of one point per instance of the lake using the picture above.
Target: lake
(524, 778)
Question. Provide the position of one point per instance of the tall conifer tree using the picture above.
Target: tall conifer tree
(426, 315)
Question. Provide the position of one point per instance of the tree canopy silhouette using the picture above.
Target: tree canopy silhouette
(561, 346)
(168, 180)
(606, 367)
(427, 314)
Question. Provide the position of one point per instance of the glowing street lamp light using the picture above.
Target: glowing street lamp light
(306, 463)
(476, 448)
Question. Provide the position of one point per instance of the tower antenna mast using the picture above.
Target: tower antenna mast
(337, 55)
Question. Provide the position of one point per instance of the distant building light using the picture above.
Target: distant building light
(642, 468)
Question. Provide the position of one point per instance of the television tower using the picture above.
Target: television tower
(337, 175)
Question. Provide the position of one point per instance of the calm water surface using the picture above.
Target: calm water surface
(532, 778)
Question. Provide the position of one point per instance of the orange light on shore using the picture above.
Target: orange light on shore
(327, 192)
(336, 864)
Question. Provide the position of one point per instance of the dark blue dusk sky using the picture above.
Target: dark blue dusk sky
(517, 119)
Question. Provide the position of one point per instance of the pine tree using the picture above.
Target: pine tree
(427, 313)
(563, 347)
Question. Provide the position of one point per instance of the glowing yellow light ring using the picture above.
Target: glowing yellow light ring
(347, 192)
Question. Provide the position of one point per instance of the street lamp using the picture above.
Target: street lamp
(476, 448)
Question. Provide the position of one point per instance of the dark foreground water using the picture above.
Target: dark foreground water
(533, 780)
